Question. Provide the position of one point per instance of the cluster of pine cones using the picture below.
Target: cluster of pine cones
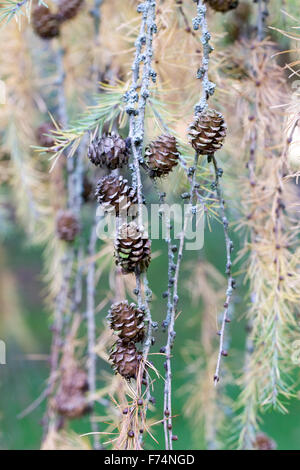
(132, 251)
(46, 24)
(112, 152)
(127, 320)
(132, 247)
(114, 193)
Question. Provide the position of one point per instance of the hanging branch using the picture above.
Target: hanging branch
(208, 87)
(67, 259)
(136, 103)
(231, 281)
(174, 269)
(169, 322)
(135, 108)
(207, 90)
(72, 254)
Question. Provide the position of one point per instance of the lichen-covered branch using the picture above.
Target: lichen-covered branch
(208, 87)
(231, 281)
(136, 100)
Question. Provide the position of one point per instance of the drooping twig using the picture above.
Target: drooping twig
(173, 298)
(70, 257)
(230, 282)
(136, 102)
(207, 89)
(136, 99)
(135, 107)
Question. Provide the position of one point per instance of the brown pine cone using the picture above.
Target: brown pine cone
(44, 22)
(67, 226)
(223, 5)
(162, 155)
(109, 151)
(125, 359)
(207, 132)
(68, 9)
(87, 190)
(70, 400)
(114, 193)
(132, 251)
(264, 442)
(128, 321)
(43, 139)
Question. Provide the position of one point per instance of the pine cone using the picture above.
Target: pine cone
(114, 193)
(68, 9)
(43, 139)
(162, 155)
(67, 226)
(87, 190)
(264, 442)
(71, 400)
(207, 132)
(45, 23)
(110, 150)
(125, 359)
(131, 249)
(127, 320)
(223, 5)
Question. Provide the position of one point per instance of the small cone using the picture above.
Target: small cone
(264, 442)
(125, 359)
(45, 23)
(70, 400)
(109, 151)
(162, 155)
(43, 139)
(68, 9)
(207, 132)
(128, 321)
(223, 5)
(87, 190)
(114, 194)
(132, 251)
(67, 226)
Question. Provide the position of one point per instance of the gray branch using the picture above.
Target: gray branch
(230, 280)
(135, 107)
